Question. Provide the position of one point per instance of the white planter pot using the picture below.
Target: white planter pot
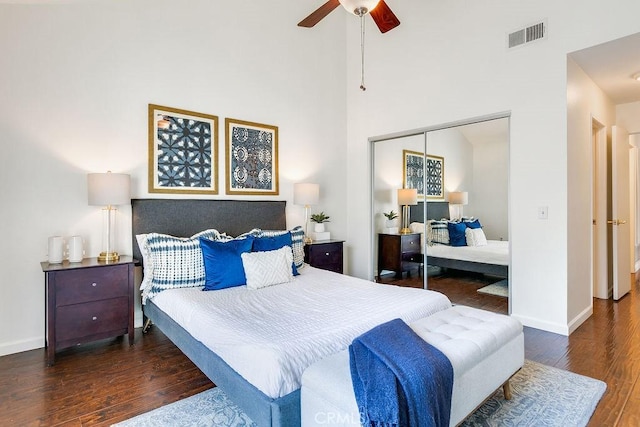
(318, 228)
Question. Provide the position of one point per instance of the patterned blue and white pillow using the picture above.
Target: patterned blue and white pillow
(297, 241)
(172, 262)
(438, 232)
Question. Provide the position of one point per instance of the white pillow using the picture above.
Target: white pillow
(267, 268)
(418, 227)
(475, 237)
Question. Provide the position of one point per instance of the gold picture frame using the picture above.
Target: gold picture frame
(183, 151)
(251, 158)
(424, 173)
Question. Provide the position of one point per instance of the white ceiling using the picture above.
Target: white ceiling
(489, 131)
(611, 66)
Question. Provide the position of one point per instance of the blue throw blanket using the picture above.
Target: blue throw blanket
(399, 379)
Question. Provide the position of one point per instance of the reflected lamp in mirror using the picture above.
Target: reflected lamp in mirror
(457, 199)
(406, 197)
(108, 190)
(306, 194)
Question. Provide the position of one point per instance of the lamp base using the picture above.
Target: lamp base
(405, 230)
(108, 257)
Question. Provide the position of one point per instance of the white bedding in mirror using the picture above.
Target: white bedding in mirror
(494, 252)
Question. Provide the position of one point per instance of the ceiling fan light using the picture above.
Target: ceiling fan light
(636, 76)
(353, 6)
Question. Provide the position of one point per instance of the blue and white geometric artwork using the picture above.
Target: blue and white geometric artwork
(183, 151)
(424, 173)
(251, 158)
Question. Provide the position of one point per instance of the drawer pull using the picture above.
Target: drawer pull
(94, 318)
(94, 284)
(326, 253)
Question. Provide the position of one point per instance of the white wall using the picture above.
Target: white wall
(447, 61)
(75, 81)
(585, 101)
(489, 195)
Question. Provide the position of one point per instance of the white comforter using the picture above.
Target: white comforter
(495, 252)
(271, 335)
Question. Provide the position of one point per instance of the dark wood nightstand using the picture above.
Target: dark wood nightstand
(398, 252)
(325, 254)
(87, 301)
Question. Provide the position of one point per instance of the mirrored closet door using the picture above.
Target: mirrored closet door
(454, 236)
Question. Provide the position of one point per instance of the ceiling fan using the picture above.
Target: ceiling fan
(382, 15)
(384, 18)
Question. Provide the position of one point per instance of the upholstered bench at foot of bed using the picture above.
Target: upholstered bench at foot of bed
(485, 349)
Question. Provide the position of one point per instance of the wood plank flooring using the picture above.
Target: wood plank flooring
(109, 381)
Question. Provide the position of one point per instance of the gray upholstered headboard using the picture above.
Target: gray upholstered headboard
(435, 210)
(185, 217)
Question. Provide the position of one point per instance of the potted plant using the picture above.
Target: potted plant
(391, 216)
(319, 219)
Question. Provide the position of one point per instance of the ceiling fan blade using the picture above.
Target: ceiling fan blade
(319, 14)
(384, 18)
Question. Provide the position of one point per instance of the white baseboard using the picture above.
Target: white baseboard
(580, 318)
(543, 325)
(20, 346)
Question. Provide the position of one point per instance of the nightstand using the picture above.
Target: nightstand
(87, 301)
(397, 252)
(325, 254)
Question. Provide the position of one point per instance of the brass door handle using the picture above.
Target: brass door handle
(617, 221)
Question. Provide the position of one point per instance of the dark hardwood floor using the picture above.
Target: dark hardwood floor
(109, 381)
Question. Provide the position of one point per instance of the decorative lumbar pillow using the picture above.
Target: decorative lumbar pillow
(271, 243)
(223, 264)
(475, 237)
(439, 232)
(457, 233)
(268, 268)
(172, 262)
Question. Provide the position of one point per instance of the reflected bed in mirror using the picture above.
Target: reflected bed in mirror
(490, 258)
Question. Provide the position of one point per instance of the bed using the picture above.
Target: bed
(492, 259)
(268, 389)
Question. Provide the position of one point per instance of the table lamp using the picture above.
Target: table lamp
(306, 194)
(108, 190)
(406, 197)
(458, 199)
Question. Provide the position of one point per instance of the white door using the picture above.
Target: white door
(620, 211)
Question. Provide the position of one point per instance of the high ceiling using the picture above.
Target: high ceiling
(611, 66)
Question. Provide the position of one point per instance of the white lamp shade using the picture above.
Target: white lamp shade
(458, 198)
(352, 5)
(109, 189)
(407, 196)
(306, 194)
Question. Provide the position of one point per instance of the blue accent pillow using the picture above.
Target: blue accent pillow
(473, 224)
(223, 264)
(456, 233)
(272, 243)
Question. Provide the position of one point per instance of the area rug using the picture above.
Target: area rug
(542, 396)
(500, 289)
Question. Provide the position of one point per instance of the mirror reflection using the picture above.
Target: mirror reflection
(451, 184)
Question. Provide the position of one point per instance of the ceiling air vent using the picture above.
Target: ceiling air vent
(527, 35)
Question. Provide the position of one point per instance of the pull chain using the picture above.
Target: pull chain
(362, 86)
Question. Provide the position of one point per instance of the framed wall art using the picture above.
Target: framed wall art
(183, 151)
(251, 158)
(424, 173)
